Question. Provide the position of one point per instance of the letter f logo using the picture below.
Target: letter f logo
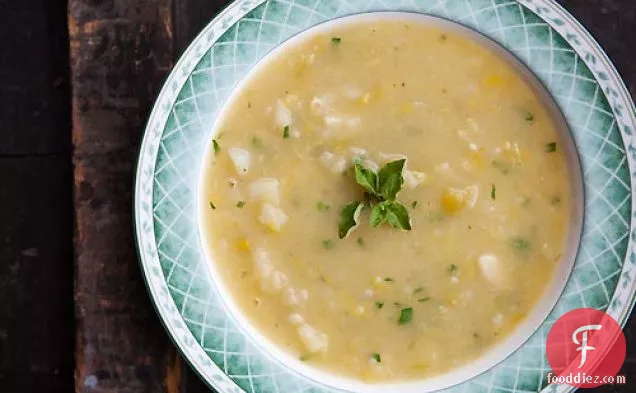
(584, 347)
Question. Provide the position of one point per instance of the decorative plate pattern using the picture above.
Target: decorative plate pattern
(551, 42)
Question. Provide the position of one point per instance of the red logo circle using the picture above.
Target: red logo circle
(585, 348)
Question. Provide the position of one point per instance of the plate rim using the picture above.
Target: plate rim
(547, 10)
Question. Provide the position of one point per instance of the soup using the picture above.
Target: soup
(386, 199)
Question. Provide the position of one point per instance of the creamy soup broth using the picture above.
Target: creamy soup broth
(486, 188)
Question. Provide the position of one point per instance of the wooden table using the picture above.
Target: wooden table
(70, 141)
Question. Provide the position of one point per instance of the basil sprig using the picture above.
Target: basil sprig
(381, 190)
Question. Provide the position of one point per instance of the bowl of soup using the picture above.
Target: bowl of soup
(383, 200)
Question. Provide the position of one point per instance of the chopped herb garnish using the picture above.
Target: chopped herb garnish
(286, 132)
(376, 357)
(475, 335)
(423, 299)
(528, 116)
(212, 206)
(493, 192)
(443, 37)
(336, 40)
(521, 244)
(414, 204)
(526, 202)
(305, 358)
(249, 105)
(327, 244)
(257, 142)
(406, 315)
(379, 305)
(216, 146)
(453, 269)
(360, 241)
(556, 200)
(388, 279)
(550, 147)
(418, 290)
(322, 207)
(240, 204)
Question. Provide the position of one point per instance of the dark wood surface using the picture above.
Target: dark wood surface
(120, 52)
(67, 161)
(36, 211)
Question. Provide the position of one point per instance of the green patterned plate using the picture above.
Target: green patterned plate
(585, 85)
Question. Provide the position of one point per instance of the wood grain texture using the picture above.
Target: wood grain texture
(120, 53)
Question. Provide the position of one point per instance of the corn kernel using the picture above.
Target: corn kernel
(243, 245)
(453, 200)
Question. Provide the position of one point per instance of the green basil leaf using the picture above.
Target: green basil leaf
(391, 186)
(378, 215)
(349, 217)
(398, 216)
(366, 178)
(388, 171)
